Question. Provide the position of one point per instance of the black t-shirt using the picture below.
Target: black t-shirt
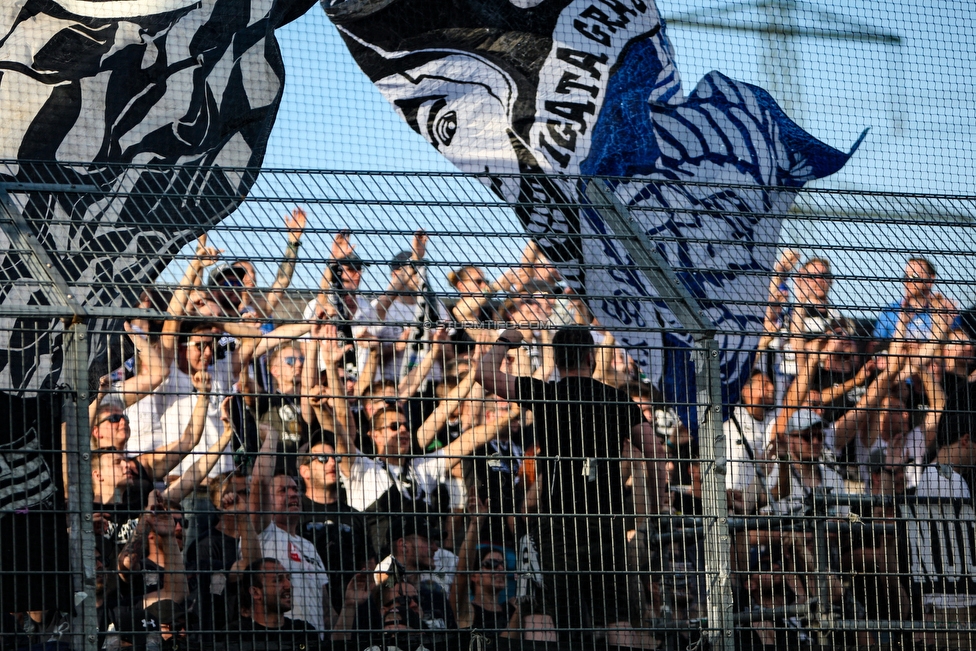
(34, 568)
(136, 583)
(339, 535)
(579, 425)
(215, 596)
(824, 380)
(960, 393)
(490, 620)
(294, 634)
(283, 412)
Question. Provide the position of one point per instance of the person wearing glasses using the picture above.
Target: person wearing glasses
(924, 306)
(178, 396)
(337, 530)
(482, 578)
(282, 407)
(792, 315)
(110, 434)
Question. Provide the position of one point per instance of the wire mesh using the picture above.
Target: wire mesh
(307, 432)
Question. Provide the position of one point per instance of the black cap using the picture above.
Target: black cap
(224, 272)
(352, 260)
(401, 259)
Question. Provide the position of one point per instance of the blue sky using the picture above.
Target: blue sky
(917, 96)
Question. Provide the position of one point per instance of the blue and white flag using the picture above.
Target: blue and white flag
(516, 88)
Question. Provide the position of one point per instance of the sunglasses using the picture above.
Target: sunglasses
(493, 564)
(198, 344)
(323, 458)
(231, 282)
(394, 427)
(292, 359)
(353, 266)
(810, 434)
(114, 418)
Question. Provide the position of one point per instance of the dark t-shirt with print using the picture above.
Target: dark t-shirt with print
(339, 535)
(295, 634)
(214, 594)
(34, 569)
(580, 426)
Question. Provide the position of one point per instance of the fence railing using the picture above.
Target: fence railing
(337, 430)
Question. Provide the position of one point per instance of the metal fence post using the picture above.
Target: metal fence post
(77, 433)
(44, 269)
(711, 438)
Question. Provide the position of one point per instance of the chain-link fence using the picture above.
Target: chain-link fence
(394, 419)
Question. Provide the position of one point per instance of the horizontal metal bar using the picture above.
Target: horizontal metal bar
(18, 186)
(61, 311)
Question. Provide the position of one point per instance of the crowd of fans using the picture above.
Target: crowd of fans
(394, 464)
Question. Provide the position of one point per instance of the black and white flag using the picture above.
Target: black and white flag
(159, 103)
(514, 88)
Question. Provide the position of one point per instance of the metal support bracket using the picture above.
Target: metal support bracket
(38, 260)
(80, 518)
(711, 437)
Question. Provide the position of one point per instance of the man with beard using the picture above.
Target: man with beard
(921, 303)
(266, 596)
(277, 513)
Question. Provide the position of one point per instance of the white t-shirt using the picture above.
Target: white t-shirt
(364, 312)
(745, 438)
(164, 415)
(830, 482)
(442, 574)
(933, 482)
(308, 576)
(937, 480)
(370, 479)
(398, 315)
(914, 452)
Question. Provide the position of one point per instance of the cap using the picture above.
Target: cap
(803, 419)
(222, 273)
(352, 260)
(401, 259)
